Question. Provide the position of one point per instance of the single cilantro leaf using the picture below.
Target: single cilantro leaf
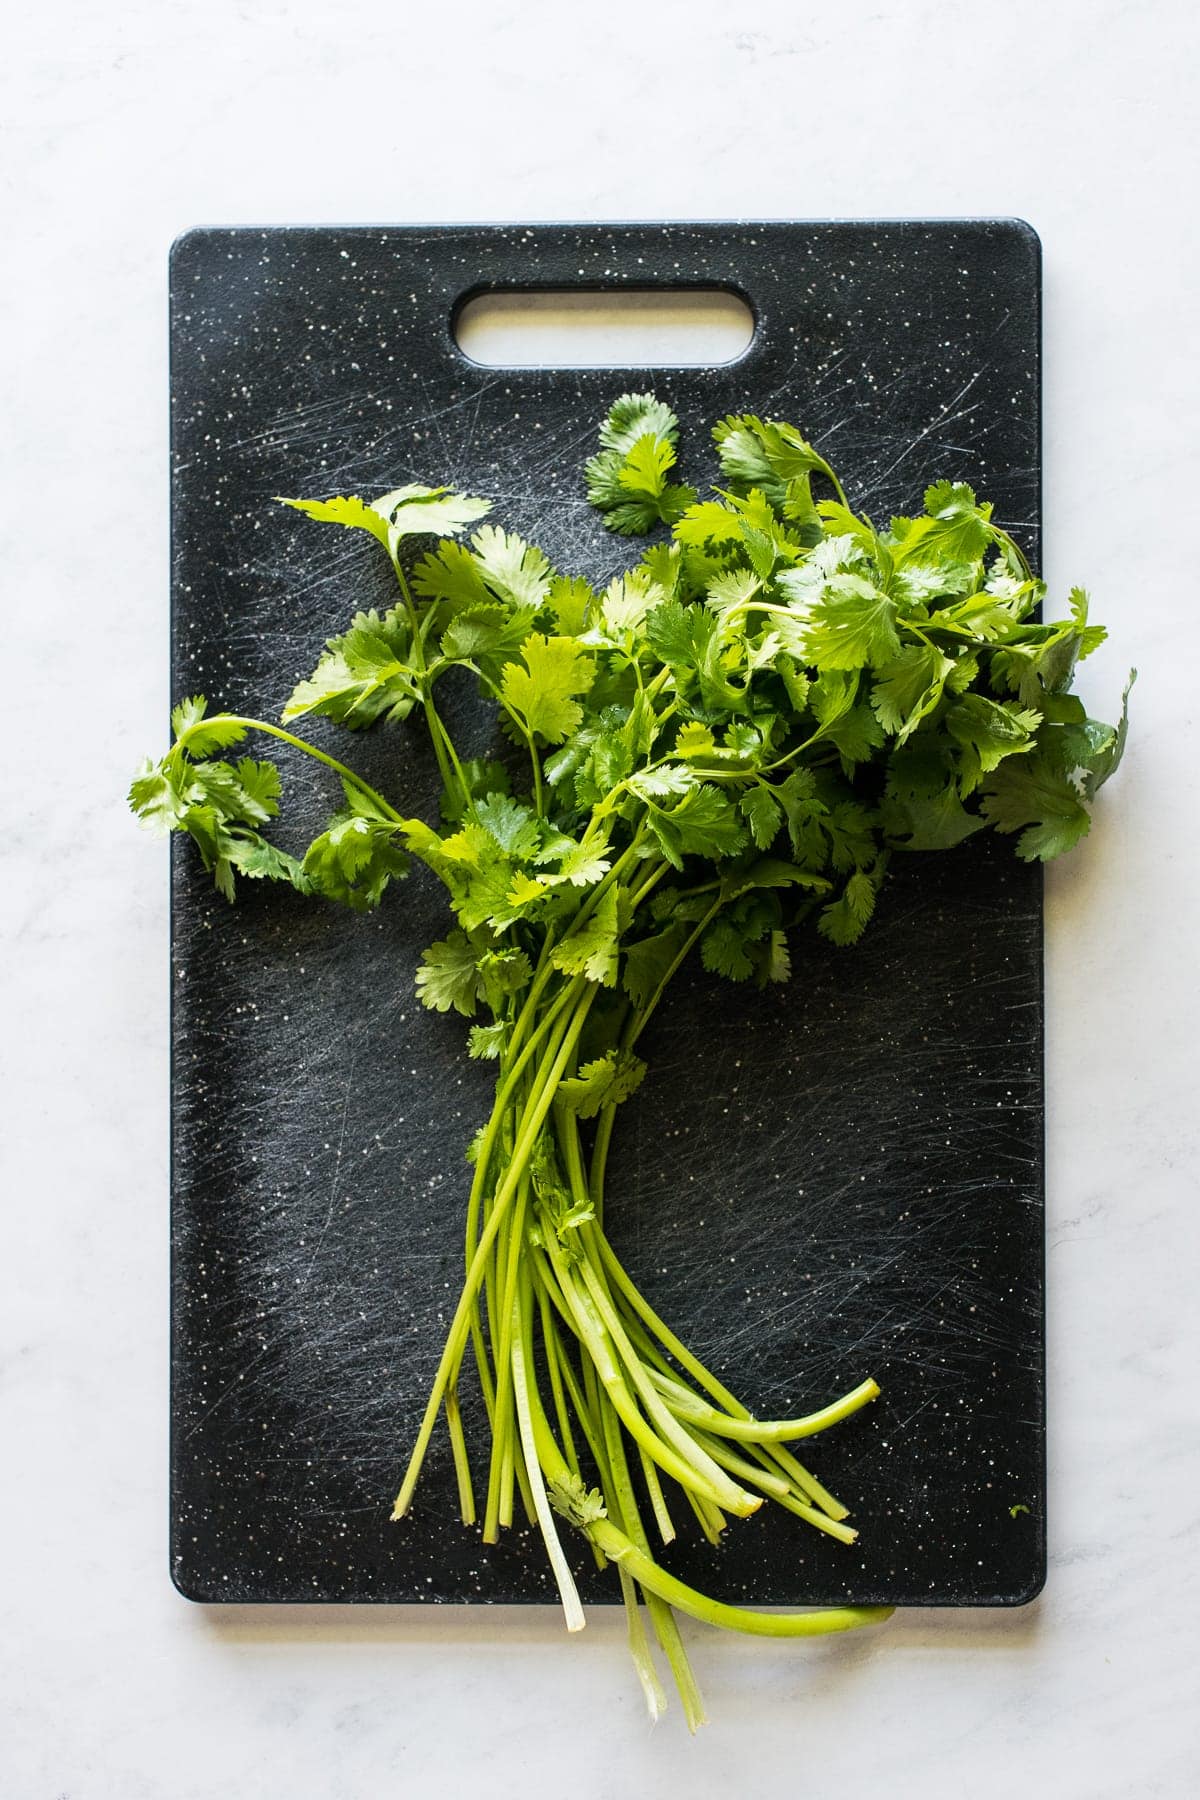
(205, 734)
(625, 603)
(259, 860)
(582, 865)
(503, 973)
(934, 820)
(570, 599)
(681, 636)
(695, 740)
(354, 860)
(449, 976)
(955, 530)
(1028, 792)
(663, 782)
(708, 523)
(543, 693)
(260, 790)
(907, 688)
(763, 813)
(634, 416)
(451, 574)
(524, 891)
(776, 961)
(1107, 757)
(845, 919)
(987, 731)
(156, 796)
(487, 1041)
(416, 511)
(702, 823)
(488, 636)
(344, 509)
(648, 963)
(481, 777)
(591, 948)
(607, 1081)
(188, 713)
(856, 735)
(512, 825)
(363, 675)
(724, 951)
(627, 478)
(769, 872)
(514, 570)
(852, 626)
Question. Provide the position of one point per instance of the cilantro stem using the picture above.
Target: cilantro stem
(522, 1359)
(462, 1466)
(592, 1335)
(532, 1120)
(775, 1430)
(774, 1453)
(287, 737)
(666, 1630)
(620, 1549)
(507, 1301)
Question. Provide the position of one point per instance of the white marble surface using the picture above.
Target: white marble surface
(123, 125)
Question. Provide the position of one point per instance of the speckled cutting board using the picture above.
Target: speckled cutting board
(840, 1178)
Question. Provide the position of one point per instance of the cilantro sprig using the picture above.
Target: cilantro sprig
(734, 738)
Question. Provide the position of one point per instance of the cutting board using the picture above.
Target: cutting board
(839, 1178)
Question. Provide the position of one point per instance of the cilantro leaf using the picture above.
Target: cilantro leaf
(907, 688)
(987, 731)
(486, 1042)
(627, 478)
(205, 734)
(763, 814)
(512, 569)
(648, 963)
(449, 976)
(544, 693)
(591, 948)
(844, 920)
(703, 823)
(852, 626)
(416, 511)
(607, 1081)
(363, 675)
(344, 509)
(354, 860)
(1030, 792)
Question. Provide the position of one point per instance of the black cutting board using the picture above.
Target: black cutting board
(839, 1178)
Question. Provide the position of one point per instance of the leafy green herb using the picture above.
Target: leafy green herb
(737, 736)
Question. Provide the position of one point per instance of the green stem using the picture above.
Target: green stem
(522, 1366)
(764, 1431)
(590, 1331)
(619, 1549)
(288, 737)
(438, 736)
(462, 1466)
(532, 1120)
(629, 1518)
(668, 1430)
(498, 1500)
(767, 1454)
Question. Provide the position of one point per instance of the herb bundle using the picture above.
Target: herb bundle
(732, 738)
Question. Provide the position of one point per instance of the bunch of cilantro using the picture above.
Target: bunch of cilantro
(735, 736)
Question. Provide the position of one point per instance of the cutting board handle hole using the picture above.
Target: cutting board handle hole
(603, 328)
